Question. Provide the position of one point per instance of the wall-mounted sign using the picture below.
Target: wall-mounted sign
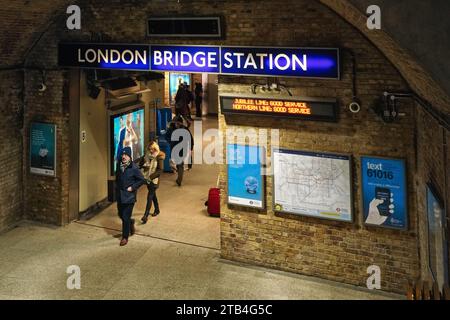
(251, 61)
(104, 56)
(283, 62)
(312, 184)
(245, 179)
(300, 108)
(384, 192)
(437, 238)
(43, 149)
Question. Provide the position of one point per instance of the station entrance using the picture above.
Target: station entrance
(143, 103)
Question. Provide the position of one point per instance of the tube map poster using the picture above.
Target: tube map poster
(312, 184)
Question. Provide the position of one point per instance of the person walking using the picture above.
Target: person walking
(182, 101)
(128, 180)
(152, 165)
(181, 145)
(198, 100)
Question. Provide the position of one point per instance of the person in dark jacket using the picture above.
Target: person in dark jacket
(128, 180)
(152, 165)
(198, 100)
(181, 145)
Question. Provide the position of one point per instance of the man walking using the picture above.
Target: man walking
(181, 145)
(128, 180)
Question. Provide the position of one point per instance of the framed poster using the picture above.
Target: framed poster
(127, 130)
(313, 184)
(43, 149)
(245, 179)
(175, 79)
(384, 192)
(437, 238)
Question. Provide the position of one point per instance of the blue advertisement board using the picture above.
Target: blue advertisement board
(127, 130)
(245, 179)
(283, 62)
(384, 192)
(43, 149)
(175, 80)
(195, 59)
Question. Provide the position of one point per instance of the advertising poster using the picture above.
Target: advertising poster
(437, 243)
(175, 80)
(127, 131)
(384, 192)
(245, 179)
(43, 149)
(312, 184)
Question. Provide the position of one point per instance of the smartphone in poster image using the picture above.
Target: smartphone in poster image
(245, 178)
(384, 192)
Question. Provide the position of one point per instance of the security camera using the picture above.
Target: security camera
(354, 107)
(42, 87)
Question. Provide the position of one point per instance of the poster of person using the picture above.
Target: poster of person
(384, 191)
(127, 131)
(43, 149)
(175, 80)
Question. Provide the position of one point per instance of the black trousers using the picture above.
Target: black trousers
(151, 197)
(180, 171)
(125, 213)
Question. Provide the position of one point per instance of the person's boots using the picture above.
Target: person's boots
(123, 242)
(132, 228)
(144, 219)
(154, 214)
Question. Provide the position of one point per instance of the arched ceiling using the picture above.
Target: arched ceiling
(23, 21)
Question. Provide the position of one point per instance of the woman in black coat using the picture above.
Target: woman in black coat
(128, 180)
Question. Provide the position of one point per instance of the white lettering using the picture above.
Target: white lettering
(296, 61)
(239, 56)
(103, 56)
(74, 20)
(117, 53)
(129, 61)
(79, 56)
(212, 59)
(183, 56)
(87, 55)
(199, 59)
(277, 61)
(261, 59)
(139, 57)
(250, 61)
(157, 58)
(168, 58)
(227, 57)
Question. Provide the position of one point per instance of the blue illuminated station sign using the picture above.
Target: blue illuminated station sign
(320, 63)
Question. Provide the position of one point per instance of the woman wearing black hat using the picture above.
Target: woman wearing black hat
(128, 180)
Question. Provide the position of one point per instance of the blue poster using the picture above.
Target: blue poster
(127, 130)
(245, 179)
(43, 149)
(384, 192)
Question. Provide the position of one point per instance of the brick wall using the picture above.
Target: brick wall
(46, 198)
(11, 146)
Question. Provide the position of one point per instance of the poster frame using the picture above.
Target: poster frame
(263, 154)
(55, 127)
(405, 181)
(325, 153)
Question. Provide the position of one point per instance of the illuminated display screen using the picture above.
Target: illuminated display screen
(305, 108)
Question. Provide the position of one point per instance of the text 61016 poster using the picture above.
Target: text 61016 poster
(245, 179)
(384, 192)
(43, 149)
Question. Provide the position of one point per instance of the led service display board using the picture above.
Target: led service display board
(312, 184)
(384, 192)
(127, 130)
(43, 149)
(299, 108)
(245, 179)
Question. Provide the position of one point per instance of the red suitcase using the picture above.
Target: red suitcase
(213, 202)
